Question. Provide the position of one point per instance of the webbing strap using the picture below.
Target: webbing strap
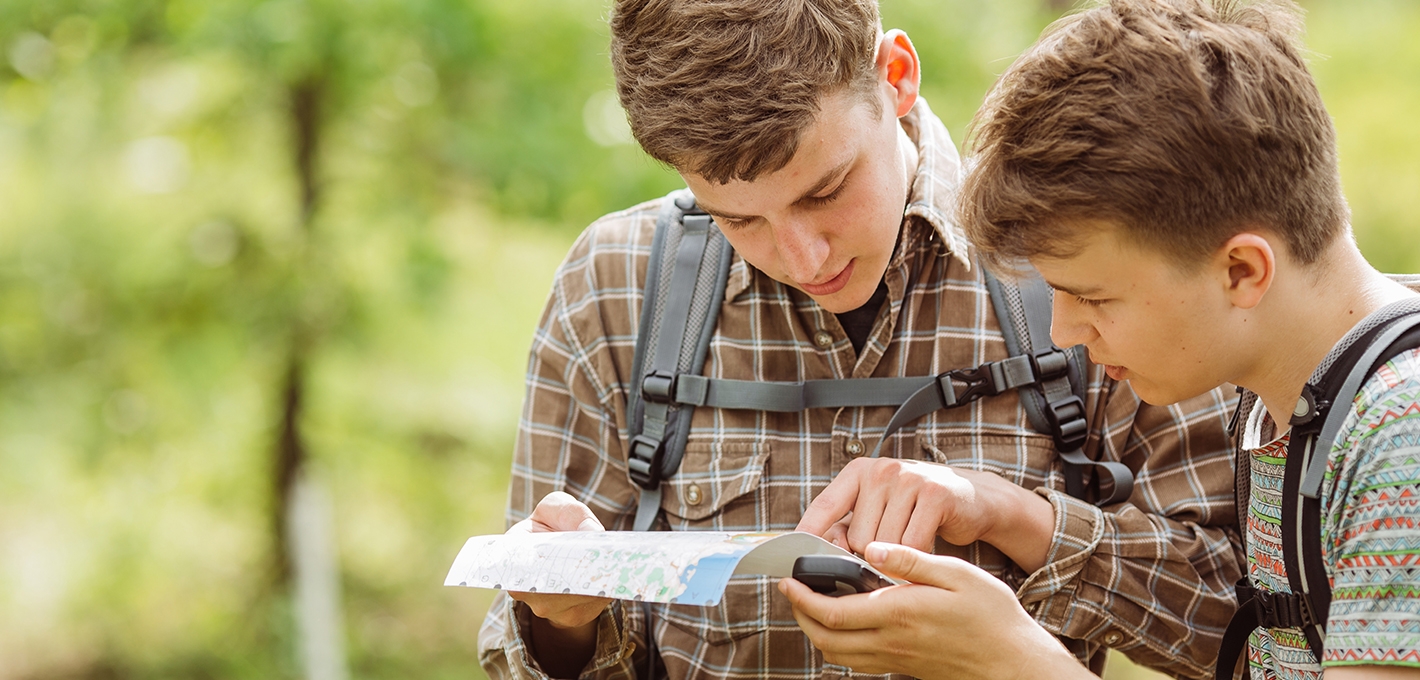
(1064, 408)
(1315, 425)
(1365, 367)
(986, 380)
(1235, 639)
(1256, 609)
(677, 302)
(647, 508)
(791, 397)
(648, 448)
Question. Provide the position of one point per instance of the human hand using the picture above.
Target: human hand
(559, 511)
(953, 620)
(912, 502)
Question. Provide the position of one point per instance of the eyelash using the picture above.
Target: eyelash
(818, 201)
(1088, 302)
(815, 201)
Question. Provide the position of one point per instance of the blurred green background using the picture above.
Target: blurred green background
(240, 240)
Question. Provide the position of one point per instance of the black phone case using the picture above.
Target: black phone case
(836, 575)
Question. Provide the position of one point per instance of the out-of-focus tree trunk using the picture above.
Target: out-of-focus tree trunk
(290, 446)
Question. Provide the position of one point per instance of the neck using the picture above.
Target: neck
(1311, 312)
(907, 148)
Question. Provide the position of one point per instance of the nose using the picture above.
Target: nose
(802, 248)
(1068, 327)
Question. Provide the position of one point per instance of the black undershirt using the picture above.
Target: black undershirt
(858, 323)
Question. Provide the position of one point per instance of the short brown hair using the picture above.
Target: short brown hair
(1183, 121)
(724, 88)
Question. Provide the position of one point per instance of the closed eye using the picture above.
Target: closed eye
(731, 224)
(819, 201)
(1089, 302)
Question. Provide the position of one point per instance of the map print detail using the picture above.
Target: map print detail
(657, 566)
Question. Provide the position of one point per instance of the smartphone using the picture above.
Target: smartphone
(836, 575)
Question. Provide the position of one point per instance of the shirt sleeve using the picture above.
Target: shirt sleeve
(1152, 577)
(505, 655)
(569, 440)
(1370, 512)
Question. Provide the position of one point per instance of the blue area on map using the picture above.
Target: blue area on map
(705, 580)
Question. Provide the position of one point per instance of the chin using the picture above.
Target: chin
(1156, 395)
(845, 300)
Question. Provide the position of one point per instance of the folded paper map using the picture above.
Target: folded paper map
(683, 567)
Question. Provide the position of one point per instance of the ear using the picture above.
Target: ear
(1250, 264)
(899, 67)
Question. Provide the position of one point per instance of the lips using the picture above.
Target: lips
(1114, 371)
(832, 285)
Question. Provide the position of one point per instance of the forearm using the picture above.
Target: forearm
(1101, 594)
(506, 646)
(1024, 528)
(1159, 590)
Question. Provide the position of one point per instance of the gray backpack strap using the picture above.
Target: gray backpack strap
(1055, 405)
(792, 397)
(685, 285)
(1315, 423)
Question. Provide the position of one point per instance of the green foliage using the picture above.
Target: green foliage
(155, 263)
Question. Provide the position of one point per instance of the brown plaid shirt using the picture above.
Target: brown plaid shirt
(1152, 577)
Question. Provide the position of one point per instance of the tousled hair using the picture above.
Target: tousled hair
(1183, 122)
(724, 88)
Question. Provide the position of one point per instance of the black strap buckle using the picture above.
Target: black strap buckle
(1067, 421)
(658, 387)
(983, 381)
(643, 461)
(1278, 610)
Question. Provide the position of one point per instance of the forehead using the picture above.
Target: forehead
(844, 132)
(1100, 255)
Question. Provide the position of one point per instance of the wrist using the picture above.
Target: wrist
(562, 652)
(1047, 658)
(1022, 523)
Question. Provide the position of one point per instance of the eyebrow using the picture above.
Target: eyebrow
(1077, 292)
(818, 186)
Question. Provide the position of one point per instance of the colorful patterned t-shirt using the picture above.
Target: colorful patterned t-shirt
(1370, 518)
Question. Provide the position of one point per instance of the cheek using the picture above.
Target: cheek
(756, 246)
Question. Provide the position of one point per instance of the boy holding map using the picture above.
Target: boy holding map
(799, 128)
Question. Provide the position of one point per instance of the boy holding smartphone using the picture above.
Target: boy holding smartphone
(1169, 168)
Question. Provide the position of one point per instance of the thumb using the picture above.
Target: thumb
(902, 562)
(559, 511)
(590, 523)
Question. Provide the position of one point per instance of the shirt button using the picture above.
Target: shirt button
(854, 447)
(823, 339)
(692, 495)
(1113, 638)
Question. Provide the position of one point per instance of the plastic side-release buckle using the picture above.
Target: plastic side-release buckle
(658, 387)
(643, 462)
(986, 380)
(1067, 421)
(1279, 610)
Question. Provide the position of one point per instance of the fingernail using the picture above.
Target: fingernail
(589, 524)
(875, 553)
